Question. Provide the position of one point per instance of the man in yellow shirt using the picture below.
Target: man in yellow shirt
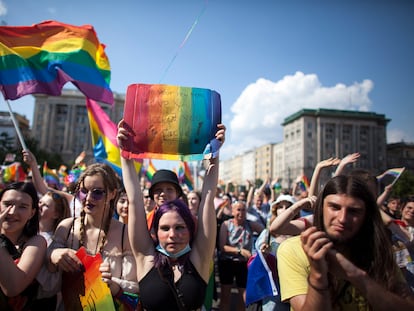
(344, 262)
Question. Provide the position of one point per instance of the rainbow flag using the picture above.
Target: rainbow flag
(104, 132)
(171, 122)
(13, 172)
(43, 57)
(50, 176)
(150, 170)
(393, 173)
(304, 183)
(185, 176)
(97, 295)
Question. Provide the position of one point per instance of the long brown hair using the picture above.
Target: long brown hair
(111, 183)
(370, 249)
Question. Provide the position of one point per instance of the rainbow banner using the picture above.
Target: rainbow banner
(171, 122)
(97, 295)
(104, 132)
(43, 57)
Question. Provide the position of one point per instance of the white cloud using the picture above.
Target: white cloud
(263, 105)
(3, 8)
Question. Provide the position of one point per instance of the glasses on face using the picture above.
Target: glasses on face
(55, 196)
(96, 194)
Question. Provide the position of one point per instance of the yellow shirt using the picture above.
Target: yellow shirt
(293, 267)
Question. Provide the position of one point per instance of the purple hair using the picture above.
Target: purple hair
(182, 209)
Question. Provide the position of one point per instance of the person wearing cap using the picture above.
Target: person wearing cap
(173, 270)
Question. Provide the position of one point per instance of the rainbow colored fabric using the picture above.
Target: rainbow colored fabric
(43, 57)
(304, 183)
(13, 172)
(185, 176)
(171, 122)
(394, 172)
(104, 132)
(150, 170)
(50, 176)
(97, 295)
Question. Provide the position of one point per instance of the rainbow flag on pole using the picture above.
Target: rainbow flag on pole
(104, 132)
(43, 57)
(393, 173)
(171, 122)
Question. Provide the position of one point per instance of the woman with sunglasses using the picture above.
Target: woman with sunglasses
(98, 232)
(173, 271)
(22, 250)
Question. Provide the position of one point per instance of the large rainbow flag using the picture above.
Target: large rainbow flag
(171, 122)
(43, 57)
(104, 132)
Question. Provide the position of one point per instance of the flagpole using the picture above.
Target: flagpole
(19, 134)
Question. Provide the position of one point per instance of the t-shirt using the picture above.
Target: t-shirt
(294, 268)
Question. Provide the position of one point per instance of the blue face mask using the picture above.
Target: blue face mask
(185, 250)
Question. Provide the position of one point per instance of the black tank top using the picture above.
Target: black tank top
(156, 293)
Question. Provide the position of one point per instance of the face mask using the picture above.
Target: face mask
(185, 250)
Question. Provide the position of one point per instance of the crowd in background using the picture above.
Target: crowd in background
(163, 247)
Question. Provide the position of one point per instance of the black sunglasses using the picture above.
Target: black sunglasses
(96, 194)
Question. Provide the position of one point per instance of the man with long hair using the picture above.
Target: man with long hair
(345, 261)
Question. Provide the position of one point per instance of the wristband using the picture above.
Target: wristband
(318, 289)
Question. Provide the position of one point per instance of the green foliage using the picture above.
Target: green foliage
(404, 185)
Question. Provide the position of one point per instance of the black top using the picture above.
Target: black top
(157, 294)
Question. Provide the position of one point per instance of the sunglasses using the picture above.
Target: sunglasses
(96, 194)
(55, 196)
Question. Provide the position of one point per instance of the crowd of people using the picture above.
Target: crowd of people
(340, 246)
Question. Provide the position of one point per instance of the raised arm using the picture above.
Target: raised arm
(139, 236)
(350, 158)
(205, 238)
(313, 188)
(30, 159)
(283, 223)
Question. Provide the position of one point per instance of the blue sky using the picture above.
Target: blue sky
(267, 59)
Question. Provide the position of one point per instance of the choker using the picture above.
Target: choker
(185, 250)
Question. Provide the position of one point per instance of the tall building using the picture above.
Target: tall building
(61, 125)
(312, 135)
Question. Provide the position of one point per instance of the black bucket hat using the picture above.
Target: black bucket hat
(165, 176)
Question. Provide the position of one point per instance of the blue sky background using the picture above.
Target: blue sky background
(267, 59)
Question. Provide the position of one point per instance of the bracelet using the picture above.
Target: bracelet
(318, 289)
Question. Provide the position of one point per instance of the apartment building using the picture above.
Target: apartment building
(61, 125)
(312, 135)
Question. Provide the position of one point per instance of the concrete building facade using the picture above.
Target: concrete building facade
(61, 125)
